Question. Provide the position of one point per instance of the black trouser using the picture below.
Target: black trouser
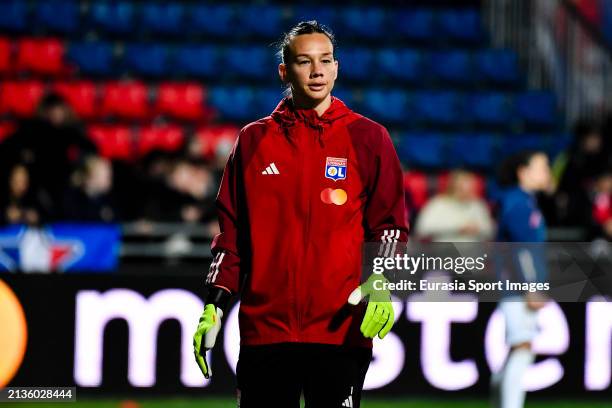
(276, 375)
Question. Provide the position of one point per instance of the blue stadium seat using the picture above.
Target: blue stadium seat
(324, 15)
(386, 105)
(472, 150)
(515, 143)
(233, 103)
(60, 16)
(93, 58)
(251, 61)
(499, 66)
(147, 59)
(162, 18)
(451, 66)
(13, 15)
(404, 64)
(116, 17)
(355, 63)
(211, 19)
(414, 24)
(423, 150)
(489, 108)
(347, 96)
(268, 21)
(435, 107)
(267, 99)
(362, 22)
(536, 108)
(202, 61)
(461, 25)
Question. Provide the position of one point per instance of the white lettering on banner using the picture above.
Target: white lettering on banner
(94, 310)
(436, 319)
(388, 356)
(552, 339)
(598, 338)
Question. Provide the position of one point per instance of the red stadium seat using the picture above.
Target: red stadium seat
(212, 138)
(5, 55)
(168, 138)
(126, 99)
(81, 95)
(6, 129)
(415, 184)
(20, 97)
(181, 101)
(42, 56)
(114, 142)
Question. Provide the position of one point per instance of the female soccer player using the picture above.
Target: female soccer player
(521, 221)
(303, 189)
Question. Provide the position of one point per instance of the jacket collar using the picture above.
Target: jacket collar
(287, 115)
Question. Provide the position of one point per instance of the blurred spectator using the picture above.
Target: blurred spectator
(458, 215)
(19, 203)
(602, 206)
(50, 145)
(576, 170)
(90, 198)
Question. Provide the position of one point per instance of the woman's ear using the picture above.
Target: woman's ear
(282, 72)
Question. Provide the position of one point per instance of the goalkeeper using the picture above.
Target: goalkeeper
(303, 189)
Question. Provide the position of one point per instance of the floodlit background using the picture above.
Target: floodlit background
(117, 117)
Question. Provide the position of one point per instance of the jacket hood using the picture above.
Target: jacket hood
(286, 115)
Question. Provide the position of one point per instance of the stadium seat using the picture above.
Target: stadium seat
(415, 184)
(362, 22)
(498, 66)
(13, 15)
(255, 62)
(472, 150)
(114, 142)
(60, 16)
(113, 17)
(149, 60)
(6, 129)
(355, 63)
(40, 56)
(347, 96)
(81, 95)
(533, 141)
(181, 100)
(212, 19)
(437, 107)
(414, 24)
(92, 58)
(214, 138)
(423, 150)
(267, 100)
(233, 103)
(6, 52)
(168, 138)
(451, 66)
(403, 64)
(162, 18)
(460, 25)
(20, 98)
(201, 61)
(269, 21)
(536, 108)
(489, 108)
(126, 99)
(324, 15)
(391, 106)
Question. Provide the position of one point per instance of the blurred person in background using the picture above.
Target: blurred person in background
(50, 145)
(457, 215)
(20, 203)
(90, 196)
(520, 221)
(575, 171)
(601, 198)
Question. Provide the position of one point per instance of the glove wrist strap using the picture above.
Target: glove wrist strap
(219, 297)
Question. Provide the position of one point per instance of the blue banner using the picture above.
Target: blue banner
(60, 248)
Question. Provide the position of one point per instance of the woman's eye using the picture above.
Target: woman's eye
(303, 62)
(326, 61)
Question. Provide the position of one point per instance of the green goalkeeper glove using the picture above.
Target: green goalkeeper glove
(379, 316)
(208, 328)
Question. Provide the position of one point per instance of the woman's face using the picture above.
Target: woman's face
(311, 70)
(535, 176)
(19, 181)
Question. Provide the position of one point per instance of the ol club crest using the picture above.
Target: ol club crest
(335, 168)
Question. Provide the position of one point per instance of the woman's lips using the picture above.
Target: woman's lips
(316, 87)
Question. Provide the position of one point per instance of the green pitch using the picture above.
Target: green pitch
(366, 403)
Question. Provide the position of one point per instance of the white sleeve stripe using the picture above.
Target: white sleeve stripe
(214, 277)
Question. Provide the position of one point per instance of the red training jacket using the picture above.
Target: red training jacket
(300, 195)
